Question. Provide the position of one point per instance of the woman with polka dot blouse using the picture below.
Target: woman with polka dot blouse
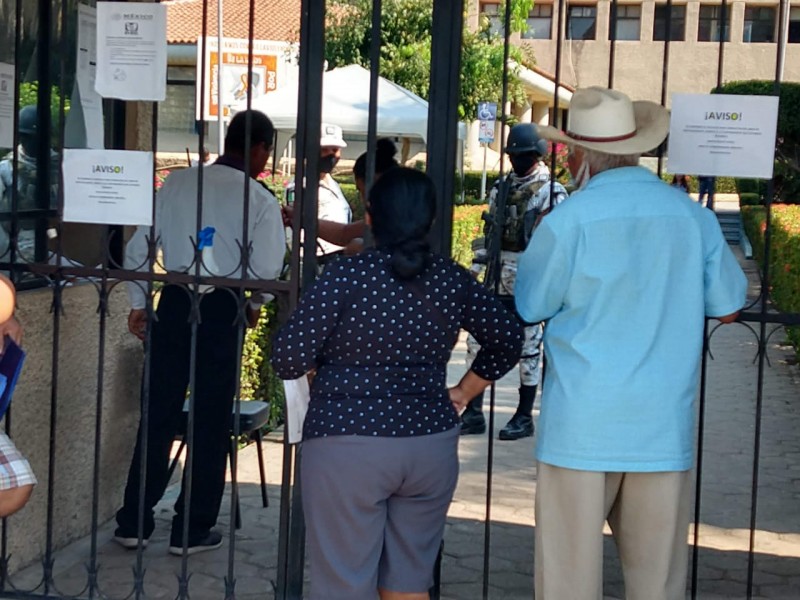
(380, 460)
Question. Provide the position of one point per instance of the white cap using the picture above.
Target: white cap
(332, 137)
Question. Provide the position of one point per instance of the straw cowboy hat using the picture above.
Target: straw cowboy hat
(607, 121)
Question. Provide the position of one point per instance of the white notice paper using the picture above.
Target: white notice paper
(6, 105)
(297, 399)
(132, 50)
(112, 187)
(723, 135)
(91, 102)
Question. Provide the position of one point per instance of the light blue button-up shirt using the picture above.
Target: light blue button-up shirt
(624, 273)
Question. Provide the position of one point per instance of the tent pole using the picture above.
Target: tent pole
(220, 92)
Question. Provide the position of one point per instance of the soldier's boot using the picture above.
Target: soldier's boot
(472, 419)
(521, 424)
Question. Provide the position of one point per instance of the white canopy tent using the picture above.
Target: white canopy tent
(345, 102)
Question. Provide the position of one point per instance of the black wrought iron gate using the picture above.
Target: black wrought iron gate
(38, 38)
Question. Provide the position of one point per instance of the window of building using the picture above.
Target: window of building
(581, 22)
(676, 20)
(491, 10)
(794, 25)
(540, 23)
(177, 127)
(628, 21)
(710, 27)
(759, 24)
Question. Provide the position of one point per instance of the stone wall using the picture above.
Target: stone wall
(69, 374)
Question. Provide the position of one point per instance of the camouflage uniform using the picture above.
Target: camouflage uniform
(26, 200)
(528, 198)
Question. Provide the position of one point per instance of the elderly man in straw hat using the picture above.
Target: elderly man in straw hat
(625, 274)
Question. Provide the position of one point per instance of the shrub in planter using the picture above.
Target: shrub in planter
(467, 225)
(784, 263)
(751, 186)
(749, 199)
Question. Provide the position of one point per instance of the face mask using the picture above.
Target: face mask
(522, 163)
(327, 163)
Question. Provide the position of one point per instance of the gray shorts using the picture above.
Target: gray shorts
(375, 510)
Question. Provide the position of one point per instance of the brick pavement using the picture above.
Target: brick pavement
(724, 514)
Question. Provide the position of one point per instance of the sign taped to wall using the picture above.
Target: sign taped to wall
(273, 66)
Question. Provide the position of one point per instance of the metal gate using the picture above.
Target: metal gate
(38, 41)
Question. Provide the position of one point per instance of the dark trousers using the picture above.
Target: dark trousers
(706, 190)
(215, 385)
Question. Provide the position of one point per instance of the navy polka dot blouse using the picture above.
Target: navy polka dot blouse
(380, 351)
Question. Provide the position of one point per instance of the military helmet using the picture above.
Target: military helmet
(524, 137)
(28, 120)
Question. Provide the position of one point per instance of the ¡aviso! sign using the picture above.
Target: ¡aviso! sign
(723, 135)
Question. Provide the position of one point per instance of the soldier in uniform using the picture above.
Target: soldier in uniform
(26, 165)
(529, 199)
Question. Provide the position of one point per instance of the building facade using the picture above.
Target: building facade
(751, 31)
(178, 124)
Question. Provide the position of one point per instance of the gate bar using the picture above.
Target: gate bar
(612, 36)
(443, 141)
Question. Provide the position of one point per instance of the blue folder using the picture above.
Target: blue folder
(10, 367)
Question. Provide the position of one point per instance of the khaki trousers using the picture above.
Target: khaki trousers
(649, 517)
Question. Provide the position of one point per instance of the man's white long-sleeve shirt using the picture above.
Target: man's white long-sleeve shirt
(223, 209)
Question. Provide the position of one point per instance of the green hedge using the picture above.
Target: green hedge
(786, 176)
(749, 199)
(257, 380)
(467, 225)
(472, 186)
(350, 192)
(724, 185)
(784, 267)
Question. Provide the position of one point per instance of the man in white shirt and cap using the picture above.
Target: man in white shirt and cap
(229, 253)
(333, 205)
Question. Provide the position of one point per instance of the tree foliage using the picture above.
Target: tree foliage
(787, 149)
(406, 48)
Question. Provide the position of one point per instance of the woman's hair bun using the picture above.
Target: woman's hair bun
(402, 204)
(385, 148)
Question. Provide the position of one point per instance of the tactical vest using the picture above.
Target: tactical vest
(27, 184)
(519, 221)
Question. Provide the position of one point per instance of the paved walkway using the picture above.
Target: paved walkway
(724, 514)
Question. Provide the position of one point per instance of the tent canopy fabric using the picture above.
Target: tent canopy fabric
(345, 102)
